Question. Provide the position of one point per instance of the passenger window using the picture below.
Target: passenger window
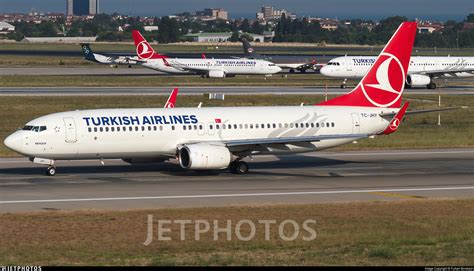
(106, 129)
(95, 129)
(149, 128)
(89, 129)
(101, 129)
(112, 129)
(184, 127)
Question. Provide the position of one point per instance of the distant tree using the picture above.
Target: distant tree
(235, 37)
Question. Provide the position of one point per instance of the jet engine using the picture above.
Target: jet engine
(418, 80)
(216, 74)
(204, 157)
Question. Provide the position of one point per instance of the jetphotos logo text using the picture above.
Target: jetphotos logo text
(242, 230)
(384, 87)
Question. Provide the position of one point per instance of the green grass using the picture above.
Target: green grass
(413, 232)
(418, 131)
(309, 79)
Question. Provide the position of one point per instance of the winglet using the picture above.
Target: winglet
(396, 121)
(171, 103)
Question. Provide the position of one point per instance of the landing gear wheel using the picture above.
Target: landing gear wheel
(51, 171)
(292, 71)
(431, 86)
(239, 167)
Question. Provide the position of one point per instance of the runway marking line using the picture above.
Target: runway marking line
(395, 195)
(240, 195)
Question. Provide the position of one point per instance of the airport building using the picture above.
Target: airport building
(218, 37)
(82, 7)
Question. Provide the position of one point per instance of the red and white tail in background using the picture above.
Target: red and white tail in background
(171, 103)
(144, 49)
(383, 84)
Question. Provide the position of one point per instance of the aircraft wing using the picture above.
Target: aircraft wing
(241, 145)
(453, 72)
(413, 112)
(290, 140)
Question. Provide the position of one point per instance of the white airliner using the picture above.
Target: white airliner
(111, 59)
(220, 137)
(421, 72)
(215, 68)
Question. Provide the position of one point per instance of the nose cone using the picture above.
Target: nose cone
(14, 142)
(278, 69)
(325, 70)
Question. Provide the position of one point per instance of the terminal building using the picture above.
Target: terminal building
(82, 7)
(218, 37)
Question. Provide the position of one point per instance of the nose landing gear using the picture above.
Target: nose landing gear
(51, 171)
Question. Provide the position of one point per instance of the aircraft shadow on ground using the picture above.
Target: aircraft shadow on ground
(167, 168)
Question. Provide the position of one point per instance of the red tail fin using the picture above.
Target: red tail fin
(171, 103)
(383, 85)
(144, 49)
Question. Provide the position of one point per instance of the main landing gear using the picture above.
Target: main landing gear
(431, 86)
(239, 167)
(51, 171)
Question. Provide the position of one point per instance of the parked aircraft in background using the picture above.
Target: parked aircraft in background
(110, 59)
(422, 72)
(215, 138)
(215, 68)
(291, 62)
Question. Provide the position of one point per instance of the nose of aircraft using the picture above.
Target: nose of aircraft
(278, 69)
(13, 142)
(325, 70)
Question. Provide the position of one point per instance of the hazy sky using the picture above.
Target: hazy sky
(373, 9)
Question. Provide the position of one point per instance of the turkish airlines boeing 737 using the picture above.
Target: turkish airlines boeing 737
(421, 72)
(220, 137)
(216, 68)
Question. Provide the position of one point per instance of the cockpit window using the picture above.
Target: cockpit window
(34, 128)
(271, 64)
(334, 63)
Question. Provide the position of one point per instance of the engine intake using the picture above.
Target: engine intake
(204, 157)
(216, 74)
(418, 80)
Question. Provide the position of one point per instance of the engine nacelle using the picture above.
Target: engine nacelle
(204, 157)
(216, 74)
(418, 80)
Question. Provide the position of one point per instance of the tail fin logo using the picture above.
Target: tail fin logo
(144, 51)
(394, 125)
(384, 87)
